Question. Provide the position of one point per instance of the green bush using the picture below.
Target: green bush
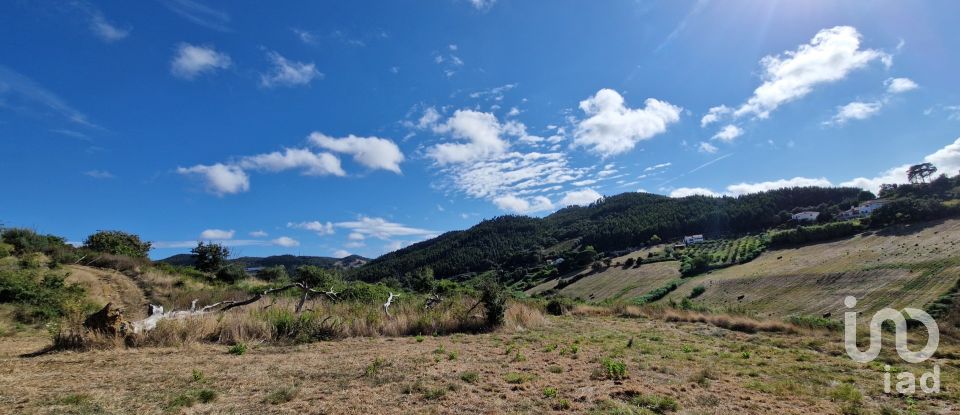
(655, 403)
(5, 250)
(613, 369)
(697, 291)
(231, 274)
(559, 306)
(39, 296)
(26, 240)
(274, 273)
(815, 322)
(117, 243)
(238, 349)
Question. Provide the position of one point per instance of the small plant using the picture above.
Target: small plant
(374, 369)
(561, 405)
(206, 395)
(470, 377)
(282, 395)
(549, 392)
(697, 291)
(238, 349)
(419, 338)
(518, 357)
(655, 403)
(613, 369)
(452, 355)
(198, 376)
(514, 378)
(555, 369)
(745, 354)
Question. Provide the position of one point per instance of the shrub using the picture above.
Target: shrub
(125, 264)
(559, 306)
(238, 349)
(279, 396)
(655, 403)
(815, 322)
(231, 274)
(550, 392)
(5, 250)
(26, 240)
(40, 296)
(274, 273)
(613, 369)
(117, 243)
(470, 377)
(494, 299)
(697, 291)
(514, 378)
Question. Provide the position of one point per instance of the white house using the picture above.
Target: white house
(865, 209)
(692, 239)
(807, 216)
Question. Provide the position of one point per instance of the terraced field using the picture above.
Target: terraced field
(616, 282)
(909, 265)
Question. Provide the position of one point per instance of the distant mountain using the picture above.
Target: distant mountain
(612, 223)
(291, 262)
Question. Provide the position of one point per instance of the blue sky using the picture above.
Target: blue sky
(327, 128)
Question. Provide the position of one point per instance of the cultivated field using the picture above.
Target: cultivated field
(668, 367)
(616, 282)
(908, 265)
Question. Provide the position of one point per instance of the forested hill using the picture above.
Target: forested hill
(288, 261)
(613, 223)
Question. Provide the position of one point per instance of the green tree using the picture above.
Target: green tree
(313, 276)
(919, 173)
(210, 256)
(117, 243)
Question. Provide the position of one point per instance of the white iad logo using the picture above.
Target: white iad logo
(906, 381)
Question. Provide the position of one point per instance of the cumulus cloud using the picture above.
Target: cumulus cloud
(217, 234)
(286, 242)
(310, 163)
(612, 128)
(288, 73)
(480, 130)
(706, 147)
(221, 179)
(714, 114)
(947, 159)
(896, 175)
(372, 152)
(830, 56)
(692, 191)
(855, 111)
(316, 226)
(900, 85)
(580, 197)
(341, 253)
(728, 133)
(191, 61)
(381, 228)
(746, 188)
(516, 204)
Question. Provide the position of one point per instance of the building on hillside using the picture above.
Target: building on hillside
(807, 216)
(692, 239)
(865, 209)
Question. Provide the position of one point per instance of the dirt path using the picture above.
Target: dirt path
(107, 286)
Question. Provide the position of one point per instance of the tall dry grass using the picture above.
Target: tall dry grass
(278, 323)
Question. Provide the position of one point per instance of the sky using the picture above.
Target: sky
(337, 128)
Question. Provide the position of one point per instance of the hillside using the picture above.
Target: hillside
(904, 265)
(613, 223)
(288, 261)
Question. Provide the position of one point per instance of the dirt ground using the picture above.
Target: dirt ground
(704, 369)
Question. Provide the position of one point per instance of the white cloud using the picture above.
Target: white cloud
(481, 130)
(829, 57)
(33, 99)
(429, 118)
(106, 31)
(728, 133)
(520, 205)
(217, 234)
(199, 13)
(658, 166)
(947, 159)
(305, 36)
(513, 173)
(288, 73)
(372, 152)
(855, 111)
(316, 226)
(714, 115)
(580, 197)
(900, 85)
(482, 5)
(356, 236)
(691, 191)
(706, 147)
(341, 253)
(380, 228)
(286, 242)
(895, 175)
(745, 188)
(259, 234)
(613, 128)
(191, 61)
(99, 174)
(312, 164)
(220, 179)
